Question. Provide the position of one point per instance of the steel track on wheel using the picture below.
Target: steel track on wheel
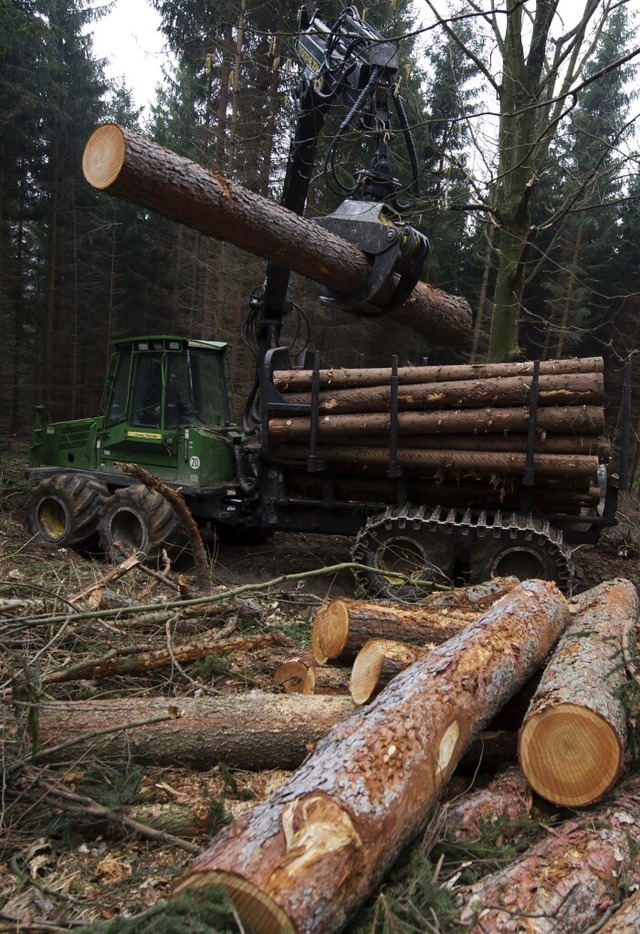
(465, 529)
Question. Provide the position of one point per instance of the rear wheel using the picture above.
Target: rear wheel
(405, 560)
(136, 520)
(64, 509)
(523, 548)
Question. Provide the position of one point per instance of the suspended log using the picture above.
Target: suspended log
(586, 420)
(247, 731)
(377, 662)
(483, 463)
(123, 163)
(341, 628)
(308, 856)
(568, 881)
(572, 741)
(562, 389)
(292, 380)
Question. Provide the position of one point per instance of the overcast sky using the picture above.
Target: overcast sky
(128, 37)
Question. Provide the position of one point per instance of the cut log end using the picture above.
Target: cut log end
(330, 631)
(294, 677)
(104, 156)
(256, 911)
(570, 755)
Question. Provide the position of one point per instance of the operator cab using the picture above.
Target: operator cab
(163, 383)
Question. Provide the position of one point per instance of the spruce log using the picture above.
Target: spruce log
(481, 463)
(495, 810)
(377, 663)
(124, 164)
(302, 676)
(568, 882)
(308, 856)
(572, 741)
(341, 628)
(293, 380)
(563, 419)
(249, 731)
(544, 444)
(562, 389)
(626, 919)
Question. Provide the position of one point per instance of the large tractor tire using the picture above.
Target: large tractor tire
(139, 521)
(64, 509)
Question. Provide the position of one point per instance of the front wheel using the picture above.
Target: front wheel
(64, 509)
(136, 520)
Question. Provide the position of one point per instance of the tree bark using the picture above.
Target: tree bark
(479, 463)
(572, 741)
(626, 920)
(377, 663)
(565, 389)
(302, 676)
(125, 164)
(567, 882)
(341, 628)
(583, 420)
(292, 380)
(249, 731)
(305, 858)
(506, 800)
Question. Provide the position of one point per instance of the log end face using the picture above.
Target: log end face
(255, 909)
(570, 755)
(330, 630)
(104, 155)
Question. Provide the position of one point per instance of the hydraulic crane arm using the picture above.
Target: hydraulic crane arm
(352, 65)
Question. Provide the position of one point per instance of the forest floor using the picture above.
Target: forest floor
(65, 864)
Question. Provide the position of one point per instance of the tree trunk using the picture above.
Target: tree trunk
(488, 812)
(345, 377)
(305, 858)
(301, 676)
(626, 920)
(583, 420)
(572, 741)
(249, 731)
(567, 882)
(340, 629)
(565, 389)
(478, 463)
(127, 165)
(377, 663)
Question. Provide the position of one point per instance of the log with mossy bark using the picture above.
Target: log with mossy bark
(308, 856)
(125, 164)
(572, 742)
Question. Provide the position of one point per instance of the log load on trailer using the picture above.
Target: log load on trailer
(441, 473)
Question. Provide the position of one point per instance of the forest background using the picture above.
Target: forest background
(525, 126)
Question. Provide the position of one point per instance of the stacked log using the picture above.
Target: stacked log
(463, 432)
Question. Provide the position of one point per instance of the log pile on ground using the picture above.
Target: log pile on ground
(424, 698)
(459, 429)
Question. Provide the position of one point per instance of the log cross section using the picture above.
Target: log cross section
(304, 859)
